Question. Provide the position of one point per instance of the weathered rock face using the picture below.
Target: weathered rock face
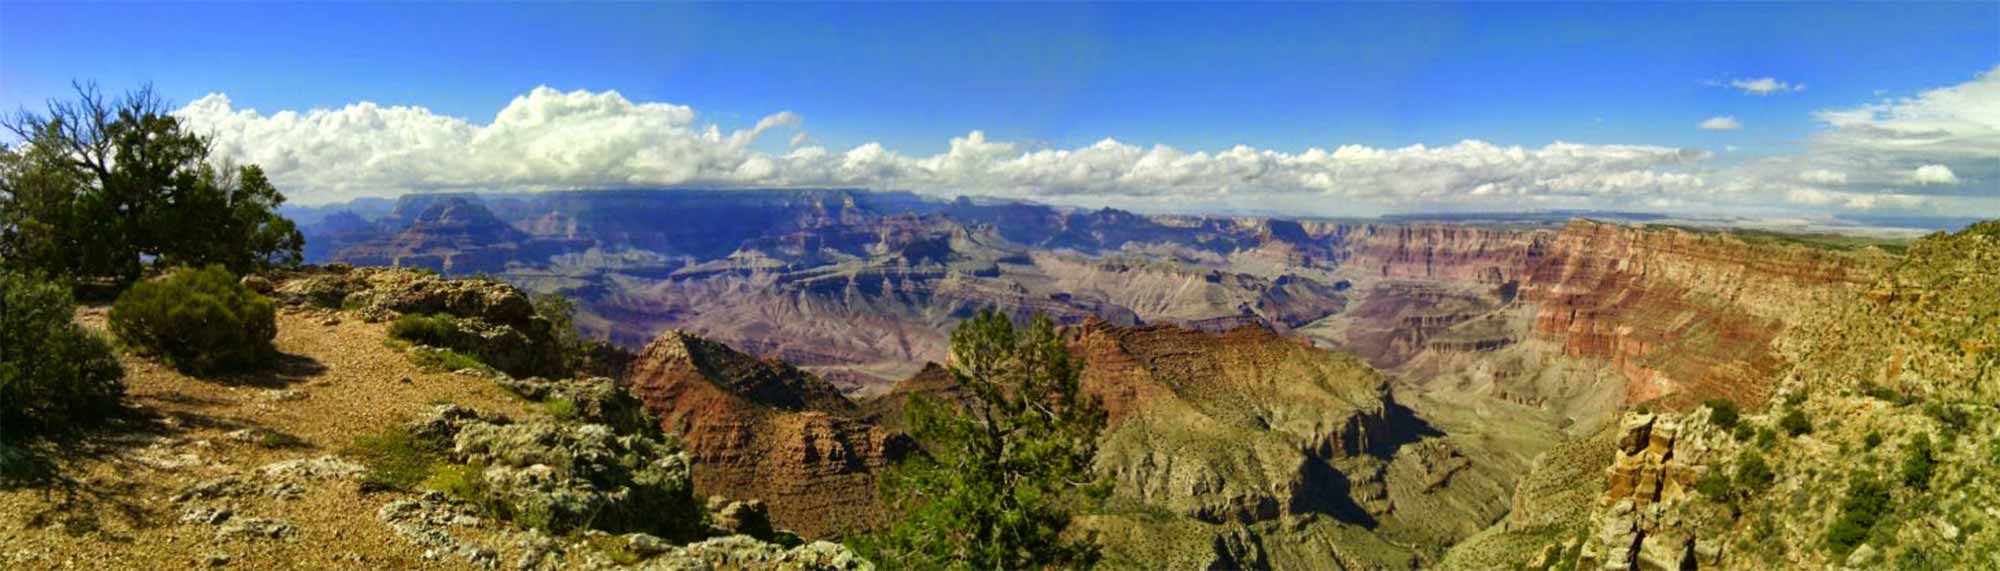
(1644, 524)
(1681, 313)
(766, 430)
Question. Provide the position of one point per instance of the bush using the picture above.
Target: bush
(1723, 413)
(1766, 439)
(432, 330)
(1752, 473)
(1919, 461)
(1744, 432)
(1866, 503)
(1795, 423)
(562, 409)
(199, 321)
(1714, 484)
(54, 374)
(1873, 439)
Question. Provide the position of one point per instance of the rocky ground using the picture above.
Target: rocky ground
(236, 471)
(260, 470)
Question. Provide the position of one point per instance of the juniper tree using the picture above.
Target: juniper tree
(1007, 463)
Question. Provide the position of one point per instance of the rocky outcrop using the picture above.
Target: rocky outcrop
(496, 321)
(1644, 523)
(766, 430)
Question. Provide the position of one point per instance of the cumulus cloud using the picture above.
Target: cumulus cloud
(1721, 123)
(1955, 129)
(1764, 86)
(1938, 149)
(549, 139)
(1933, 174)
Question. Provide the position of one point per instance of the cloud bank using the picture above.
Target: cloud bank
(1872, 156)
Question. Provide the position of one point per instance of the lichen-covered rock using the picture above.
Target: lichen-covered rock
(597, 399)
(562, 476)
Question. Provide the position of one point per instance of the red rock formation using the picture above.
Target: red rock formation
(766, 430)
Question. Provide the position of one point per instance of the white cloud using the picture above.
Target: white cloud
(548, 139)
(1764, 86)
(1956, 129)
(1722, 123)
(1823, 176)
(1936, 149)
(1933, 174)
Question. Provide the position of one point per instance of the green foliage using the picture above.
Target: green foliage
(445, 360)
(467, 482)
(101, 185)
(1766, 439)
(1744, 432)
(1752, 474)
(1883, 393)
(1873, 439)
(1866, 503)
(562, 409)
(273, 439)
(199, 321)
(1795, 423)
(1919, 462)
(559, 311)
(396, 459)
(55, 376)
(1714, 484)
(1954, 419)
(1723, 413)
(1795, 399)
(432, 330)
(1006, 468)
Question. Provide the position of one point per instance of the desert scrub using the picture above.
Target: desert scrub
(1866, 505)
(1795, 423)
(1723, 413)
(445, 360)
(197, 321)
(562, 409)
(432, 330)
(396, 458)
(54, 375)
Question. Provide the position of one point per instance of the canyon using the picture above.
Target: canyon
(1283, 393)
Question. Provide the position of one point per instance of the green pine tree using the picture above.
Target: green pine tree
(1006, 466)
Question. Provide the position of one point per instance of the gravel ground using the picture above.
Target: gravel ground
(336, 381)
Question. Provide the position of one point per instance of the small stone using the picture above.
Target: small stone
(406, 379)
(1861, 557)
(645, 545)
(254, 528)
(330, 321)
(216, 559)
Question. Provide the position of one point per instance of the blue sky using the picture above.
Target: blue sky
(1193, 77)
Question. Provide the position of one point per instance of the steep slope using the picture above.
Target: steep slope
(1883, 452)
(766, 430)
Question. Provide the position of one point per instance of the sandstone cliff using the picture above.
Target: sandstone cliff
(766, 430)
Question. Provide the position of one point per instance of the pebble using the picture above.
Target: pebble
(216, 559)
